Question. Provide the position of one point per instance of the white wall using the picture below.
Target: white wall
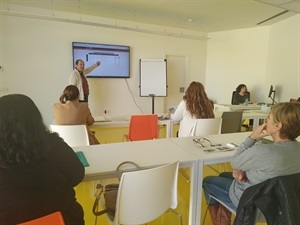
(237, 57)
(257, 57)
(283, 67)
(37, 60)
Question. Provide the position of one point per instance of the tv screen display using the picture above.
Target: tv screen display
(115, 59)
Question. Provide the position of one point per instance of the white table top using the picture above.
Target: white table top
(218, 156)
(104, 159)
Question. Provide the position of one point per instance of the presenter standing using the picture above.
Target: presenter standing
(78, 78)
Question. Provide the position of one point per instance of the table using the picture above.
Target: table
(256, 115)
(106, 121)
(104, 159)
(223, 107)
(204, 158)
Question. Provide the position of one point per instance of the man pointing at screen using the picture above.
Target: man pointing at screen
(78, 78)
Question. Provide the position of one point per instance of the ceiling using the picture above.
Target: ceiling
(195, 15)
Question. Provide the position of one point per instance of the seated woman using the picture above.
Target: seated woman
(240, 95)
(195, 105)
(37, 169)
(72, 112)
(255, 162)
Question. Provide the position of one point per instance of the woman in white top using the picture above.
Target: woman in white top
(195, 105)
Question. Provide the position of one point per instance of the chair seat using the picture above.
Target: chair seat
(51, 219)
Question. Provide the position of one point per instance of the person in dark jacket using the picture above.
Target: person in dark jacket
(38, 170)
(277, 198)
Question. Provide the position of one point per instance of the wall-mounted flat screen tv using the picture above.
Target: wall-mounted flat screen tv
(115, 59)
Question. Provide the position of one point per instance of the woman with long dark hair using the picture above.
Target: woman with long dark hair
(195, 105)
(38, 170)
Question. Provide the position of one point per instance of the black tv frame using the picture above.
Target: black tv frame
(115, 59)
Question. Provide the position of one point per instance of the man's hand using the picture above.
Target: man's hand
(239, 175)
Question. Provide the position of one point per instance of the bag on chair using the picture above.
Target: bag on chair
(110, 193)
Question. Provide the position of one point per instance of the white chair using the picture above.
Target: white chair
(145, 195)
(73, 135)
(207, 126)
(204, 127)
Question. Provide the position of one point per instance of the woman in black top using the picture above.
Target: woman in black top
(240, 95)
(38, 170)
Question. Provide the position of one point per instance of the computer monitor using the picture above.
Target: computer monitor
(272, 91)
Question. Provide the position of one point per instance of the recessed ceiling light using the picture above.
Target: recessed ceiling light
(189, 20)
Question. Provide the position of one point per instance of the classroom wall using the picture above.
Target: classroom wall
(235, 57)
(37, 59)
(283, 65)
(257, 57)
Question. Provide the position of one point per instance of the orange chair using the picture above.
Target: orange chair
(142, 127)
(51, 219)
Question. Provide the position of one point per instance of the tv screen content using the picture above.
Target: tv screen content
(115, 59)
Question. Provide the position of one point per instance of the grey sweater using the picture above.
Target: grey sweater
(263, 161)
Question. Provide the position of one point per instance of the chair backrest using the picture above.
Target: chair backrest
(73, 135)
(144, 195)
(235, 92)
(51, 219)
(232, 122)
(207, 126)
(143, 127)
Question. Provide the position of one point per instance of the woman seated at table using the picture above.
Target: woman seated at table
(240, 95)
(72, 112)
(37, 169)
(255, 162)
(195, 105)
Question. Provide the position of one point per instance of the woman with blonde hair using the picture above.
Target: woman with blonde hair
(255, 162)
(195, 105)
(72, 112)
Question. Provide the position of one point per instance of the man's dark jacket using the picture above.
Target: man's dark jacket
(277, 198)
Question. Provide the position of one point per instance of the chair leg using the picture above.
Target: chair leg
(186, 177)
(176, 213)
